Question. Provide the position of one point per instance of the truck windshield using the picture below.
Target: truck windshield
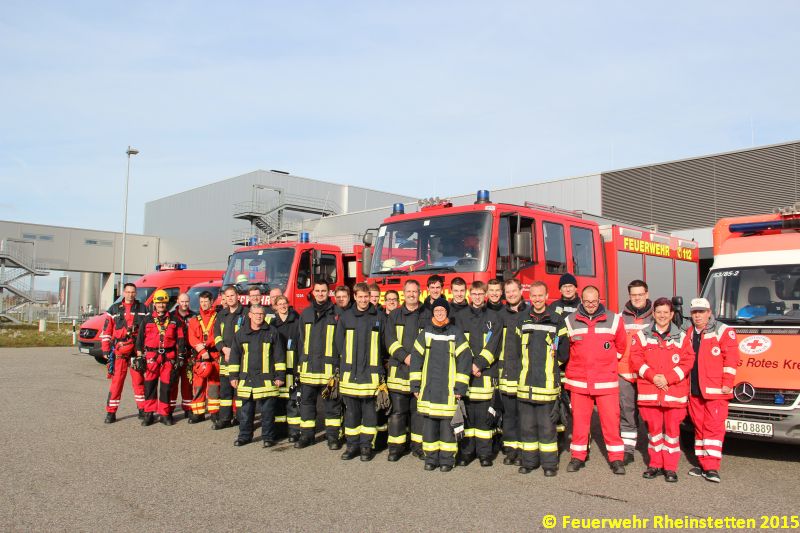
(755, 295)
(449, 243)
(271, 266)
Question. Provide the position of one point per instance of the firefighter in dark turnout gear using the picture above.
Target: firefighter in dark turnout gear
(402, 328)
(459, 302)
(228, 322)
(287, 322)
(119, 332)
(511, 316)
(440, 366)
(257, 369)
(544, 345)
(359, 335)
(483, 331)
(318, 360)
(158, 341)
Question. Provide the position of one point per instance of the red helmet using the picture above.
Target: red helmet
(202, 369)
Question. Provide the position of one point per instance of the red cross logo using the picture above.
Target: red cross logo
(754, 344)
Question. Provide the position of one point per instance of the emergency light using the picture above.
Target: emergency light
(170, 266)
(304, 237)
(482, 197)
(398, 209)
(780, 399)
(252, 241)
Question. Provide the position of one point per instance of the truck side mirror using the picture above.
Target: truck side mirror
(523, 246)
(677, 301)
(366, 261)
(367, 239)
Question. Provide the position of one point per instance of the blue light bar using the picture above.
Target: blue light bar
(751, 227)
(304, 237)
(482, 197)
(398, 209)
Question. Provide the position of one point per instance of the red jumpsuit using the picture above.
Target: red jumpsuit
(205, 381)
(122, 323)
(596, 345)
(663, 411)
(159, 338)
(184, 379)
(714, 367)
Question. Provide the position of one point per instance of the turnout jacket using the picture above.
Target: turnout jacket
(562, 307)
(122, 322)
(289, 335)
(225, 327)
(318, 356)
(671, 356)
(717, 359)
(596, 344)
(483, 332)
(359, 336)
(440, 369)
(160, 333)
(402, 328)
(544, 345)
(257, 360)
(634, 320)
(509, 362)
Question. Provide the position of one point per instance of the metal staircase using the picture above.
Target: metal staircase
(268, 220)
(18, 270)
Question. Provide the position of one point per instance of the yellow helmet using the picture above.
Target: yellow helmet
(160, 297)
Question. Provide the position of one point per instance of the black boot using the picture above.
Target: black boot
(167, 420)
(350, 453)
(110, 418)
(148, 419)
(141, 414)
(367, 454)
(304, 442)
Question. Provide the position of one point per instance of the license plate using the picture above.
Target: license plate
(84, 350)
(746, 427)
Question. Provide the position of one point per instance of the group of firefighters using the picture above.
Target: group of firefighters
(448, 381)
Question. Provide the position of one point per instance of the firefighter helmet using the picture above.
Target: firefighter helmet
(202, 369)
(160, 297)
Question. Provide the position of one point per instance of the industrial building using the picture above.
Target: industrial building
(685, 197)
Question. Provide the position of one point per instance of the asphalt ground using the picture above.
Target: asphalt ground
(63, 469)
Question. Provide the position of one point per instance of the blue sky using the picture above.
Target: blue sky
(391, 95)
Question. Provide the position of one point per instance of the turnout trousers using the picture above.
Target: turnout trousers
(158, 384)
(511, 438)
(246, 412)
(628, 422)
(537, 435)
(184, 384)
(121, 367)
(708, 417)
(608, 409)
(360, 422)
(308, 413)
(403, 419)
(438, 441)
(478, 435)
(663, 434)
(205, 393)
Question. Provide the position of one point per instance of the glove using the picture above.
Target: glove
(382, 400)
(331, 390)
(139, 363)
(555, 412)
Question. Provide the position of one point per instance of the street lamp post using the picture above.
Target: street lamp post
(130, 152)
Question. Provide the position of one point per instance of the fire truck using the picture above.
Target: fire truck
(486, 240)
(174, 278)
(754, 287)
(293, 267)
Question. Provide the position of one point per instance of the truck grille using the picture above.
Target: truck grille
(762, 397)
(737, 414)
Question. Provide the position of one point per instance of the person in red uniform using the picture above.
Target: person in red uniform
(183, 366)
(159, 341)
(205, 372)
(659, 356)
(716, 356)
(119, 331)
(597, 341)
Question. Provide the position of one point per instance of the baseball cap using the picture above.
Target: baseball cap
(700, 304)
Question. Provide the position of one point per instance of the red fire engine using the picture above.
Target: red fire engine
(487, 240)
